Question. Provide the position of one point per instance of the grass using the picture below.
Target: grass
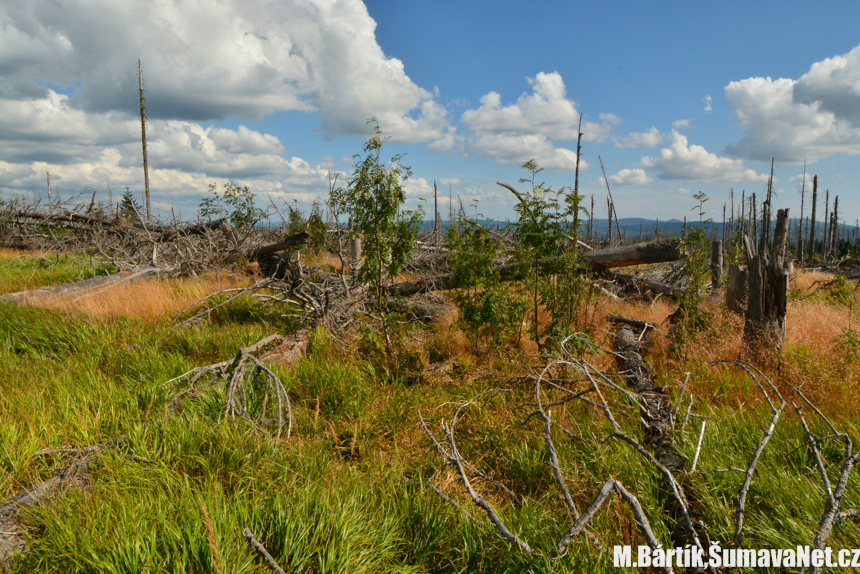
(347, 493)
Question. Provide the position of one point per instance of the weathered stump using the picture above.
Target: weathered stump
(355, 249)
(716, 264)
(764, 327)
(738, 288)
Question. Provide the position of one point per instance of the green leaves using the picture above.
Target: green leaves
(373, 199)
(488, 311)
(546, 230)
(236, 204)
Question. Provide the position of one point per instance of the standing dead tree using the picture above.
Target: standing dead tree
(764, 327)
(143, 142)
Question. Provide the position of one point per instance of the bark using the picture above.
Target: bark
(738, 289)
(659, 251)
(716, 264)
(655, 409)
(300, 238)
(764, 327)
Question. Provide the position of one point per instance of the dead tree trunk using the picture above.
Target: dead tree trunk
(716, 264)
(641, 253)
(736, 292)
(764, 328)
(655, 410)
(143, 142)
(89, 286)
(812, 219)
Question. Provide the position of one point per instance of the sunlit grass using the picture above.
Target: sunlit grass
(347, 492)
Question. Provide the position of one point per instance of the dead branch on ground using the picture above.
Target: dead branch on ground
(243, 390)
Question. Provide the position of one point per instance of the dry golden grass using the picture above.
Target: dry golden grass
(324, 259)
(9, 253)
(149, 300)
(814, 325)
(807, 280)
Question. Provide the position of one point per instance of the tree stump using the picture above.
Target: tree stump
(716, 264)
(764, 327)
(737, 290)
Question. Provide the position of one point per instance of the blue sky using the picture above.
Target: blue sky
(676, 97)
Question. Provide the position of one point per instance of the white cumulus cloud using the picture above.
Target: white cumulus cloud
(528, 128)
(685, 162)
(83, 149)
(209, 60)
(651, 138)
(812, 117)
(630, 177)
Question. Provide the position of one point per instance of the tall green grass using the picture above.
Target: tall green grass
(348, 492)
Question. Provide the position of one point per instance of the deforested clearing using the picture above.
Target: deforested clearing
(272, 400)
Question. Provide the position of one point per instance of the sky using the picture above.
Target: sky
(675, 98)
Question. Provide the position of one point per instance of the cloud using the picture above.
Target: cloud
(812, 117)
(630, 177)
(452, 181)
(681, 124)
(87, 149)
(834, 84)
(519, 148)
(685, 162)
(651, 138)
(610, 118)
(707, 99)
(418, 187)
(527, 129)
(204, 61)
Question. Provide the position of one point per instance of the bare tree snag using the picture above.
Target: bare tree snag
(716, 264)
(812, 219)
(48, 175)
(764, 328)
(355, 250)
(738, 289)
(143, 142)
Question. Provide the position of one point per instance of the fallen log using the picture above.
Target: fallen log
(655, 410)
(660, 251)
(90, 285)
(300, 238)
(637, 324)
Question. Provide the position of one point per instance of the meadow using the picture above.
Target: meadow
(176, 482)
